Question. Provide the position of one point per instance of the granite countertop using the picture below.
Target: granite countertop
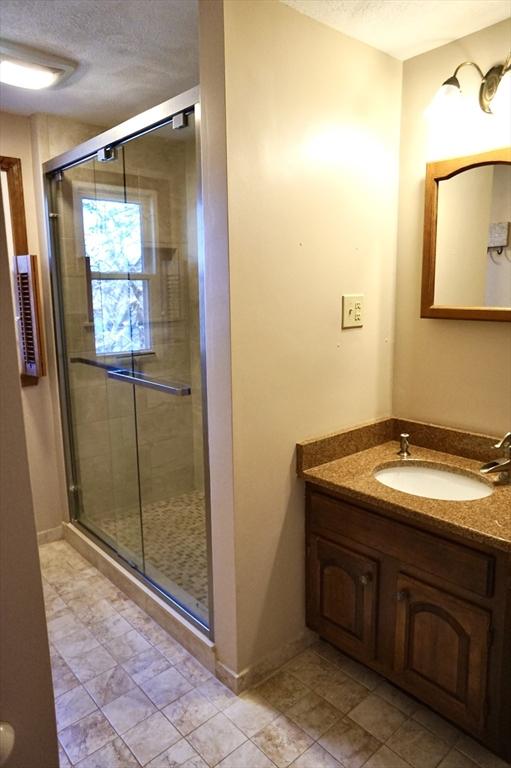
(486, 520)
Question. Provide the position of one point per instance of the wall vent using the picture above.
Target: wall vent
(30, 332)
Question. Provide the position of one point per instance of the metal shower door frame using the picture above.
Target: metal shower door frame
(145, 122)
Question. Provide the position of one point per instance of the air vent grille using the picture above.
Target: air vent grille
(29, 323)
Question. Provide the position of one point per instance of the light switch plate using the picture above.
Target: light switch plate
(352, 310)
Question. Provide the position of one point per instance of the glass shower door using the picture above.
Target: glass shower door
(128, 283)
(101, 414)
(161, 175)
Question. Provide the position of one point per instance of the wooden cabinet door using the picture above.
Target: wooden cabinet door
(441, 651)
(342, 589)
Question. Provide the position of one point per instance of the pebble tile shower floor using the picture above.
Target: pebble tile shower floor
(128, 695)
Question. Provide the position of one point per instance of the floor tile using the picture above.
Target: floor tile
(217, 693)
(314, 715)
(437, 725)
(63, 625)
(193, 670)
(92, 663)
(63, 759)
(349, 743)
(394, 696)
(377, 716)
(54, 607)
(128, 710)
(91, 609)
(417, 745)
(216, 739)
(385, 758)
(342, 691)
(190, 711)
(316, 757)
(63, 678)
(86, 736)
(166, 687)
(126, 646)
(246, 756)
(181, 754)
(251, 712)
(455, 759)
(359, 672)
(327, 651)
(282, 741)
(151, 737)
(282, 690)
(114, 755)
(109, 685)
(483, 757)
(146, 665)
(109, 628)
(72, 706)
(172, 650)
(76, 643)
(146, 626)
(310, 668)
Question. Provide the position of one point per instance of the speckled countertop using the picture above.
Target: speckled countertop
(486, 520)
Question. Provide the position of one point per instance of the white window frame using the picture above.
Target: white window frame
(147, 200)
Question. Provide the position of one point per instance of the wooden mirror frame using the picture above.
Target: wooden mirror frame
(436, 172)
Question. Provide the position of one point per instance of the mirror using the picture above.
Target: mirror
(466, 269)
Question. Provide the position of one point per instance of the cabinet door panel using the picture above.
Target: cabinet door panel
(442, 650)
(342, 599)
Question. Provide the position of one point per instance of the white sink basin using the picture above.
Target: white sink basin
(433, 482)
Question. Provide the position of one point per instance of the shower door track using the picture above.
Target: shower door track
(139, 125)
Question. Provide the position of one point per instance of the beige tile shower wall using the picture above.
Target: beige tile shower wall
(39, 403)
(312, 146)
(451, 372)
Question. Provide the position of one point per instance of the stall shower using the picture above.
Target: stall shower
(127, 290)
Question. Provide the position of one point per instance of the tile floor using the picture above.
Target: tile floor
(128, 695)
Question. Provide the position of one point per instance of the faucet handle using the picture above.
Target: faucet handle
(505, 442)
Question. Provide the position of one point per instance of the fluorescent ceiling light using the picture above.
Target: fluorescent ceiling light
(25, 67)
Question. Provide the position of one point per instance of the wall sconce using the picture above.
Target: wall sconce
(25, 67)
(489, 82)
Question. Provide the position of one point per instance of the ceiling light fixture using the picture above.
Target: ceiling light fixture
(489, 82)
(26, 67)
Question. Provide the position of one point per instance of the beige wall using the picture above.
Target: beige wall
(312, 148)
(456, 373)
(26, 700)
(43, 441)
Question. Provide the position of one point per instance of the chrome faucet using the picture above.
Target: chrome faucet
(502, 465)
(404, 445)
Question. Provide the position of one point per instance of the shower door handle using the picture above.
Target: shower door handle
(140, 381)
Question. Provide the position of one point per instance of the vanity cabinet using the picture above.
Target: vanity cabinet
(441, 650)
(344, 596)
(431, 612)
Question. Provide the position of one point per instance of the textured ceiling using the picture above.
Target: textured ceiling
(132, 54)
(405, 28)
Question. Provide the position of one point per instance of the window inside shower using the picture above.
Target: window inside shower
(127, 293)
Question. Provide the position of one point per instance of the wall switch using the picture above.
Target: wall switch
(352, 310)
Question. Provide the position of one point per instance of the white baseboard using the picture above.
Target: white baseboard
(51, 534)
(239, 682)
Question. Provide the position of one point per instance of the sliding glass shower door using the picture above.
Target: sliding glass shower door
(126, 281)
